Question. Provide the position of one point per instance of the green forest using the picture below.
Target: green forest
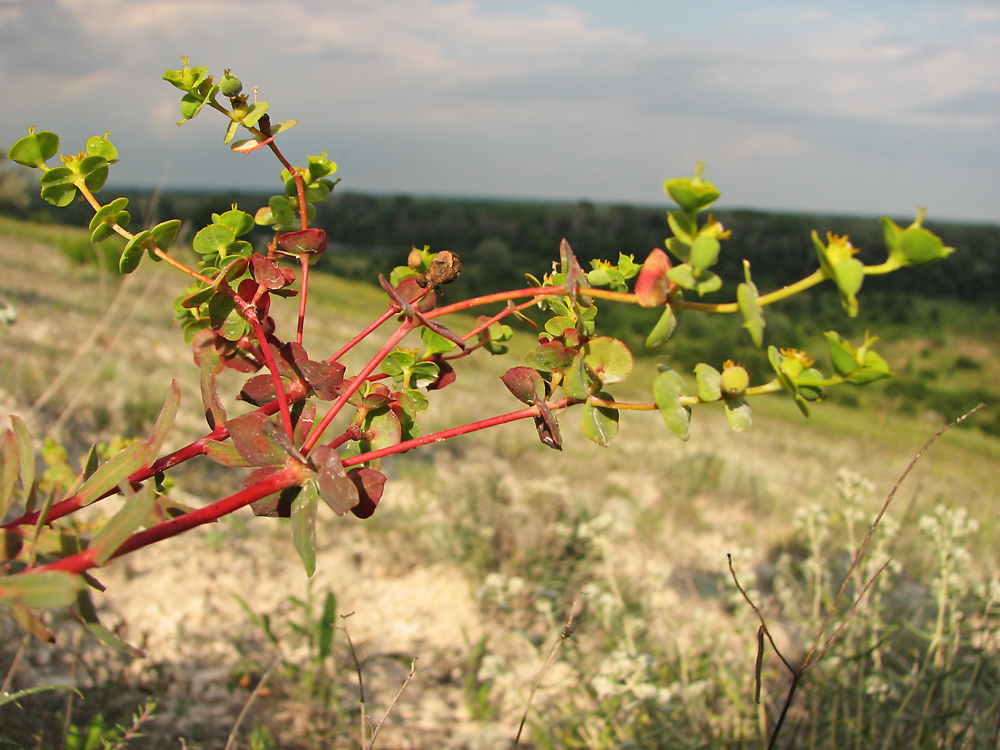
(499, 240)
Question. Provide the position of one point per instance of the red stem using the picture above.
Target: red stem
(534, 291)
(304, 259)
(465, 429)
(250, 313)
(356, 383)
(293, 473)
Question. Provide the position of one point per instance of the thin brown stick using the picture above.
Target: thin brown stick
(250, 701)
(378, 727)
(808, 661)
(760, 617)
(567, 631)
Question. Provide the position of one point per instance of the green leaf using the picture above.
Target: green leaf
(837, 263)
(692, 195)
(10, 465)
(858, 366)
(106, 216)
(683, 225)
(34, 149)
(47, 588)
(600, 424)
(100, 146)
(609, 359)
(123, 523)
(663, 329)
(14, 697)
(88, 613)
(702, 282)
(738, 414)
(435, 343)
(668, 388)
(94, 170)
(327, 622)
(132, 254)
(303, 517)
(224, 454)
(165, 233)
(913, 246)
(550, 357)
(320, 166)
(25, 454)
(191, 104)
(753, 316)
(165, 420)
(215, 412)
(215, 239)
(240, 222)
(559, 324)
(709, 382)
(114, 471)
(578, 382)
(258, 110)
(704, 252)
(58, 186)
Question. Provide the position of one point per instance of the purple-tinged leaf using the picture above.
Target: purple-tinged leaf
(370, 484)
(336, 489)
(266, 272)
(259, 390)
(310, 241)
(525, 383)
(255, 445)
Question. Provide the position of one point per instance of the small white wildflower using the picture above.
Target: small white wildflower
(515, 586)
(645, 691)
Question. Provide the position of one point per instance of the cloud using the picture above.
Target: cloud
(449, 96)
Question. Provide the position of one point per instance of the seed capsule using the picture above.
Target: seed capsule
(735, 380)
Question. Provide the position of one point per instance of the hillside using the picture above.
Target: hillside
(482, 544)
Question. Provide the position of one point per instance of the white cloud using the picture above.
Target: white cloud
(541, 99)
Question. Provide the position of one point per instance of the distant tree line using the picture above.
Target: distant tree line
(499, 240)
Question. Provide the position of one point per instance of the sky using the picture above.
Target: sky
(841, 107)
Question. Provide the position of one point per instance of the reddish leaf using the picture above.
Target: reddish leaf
(652, 286)
(266, 272)
(446, 374)
(253, 444)
(310, 241)
(336, 489)
(524, 383)
(370, 484)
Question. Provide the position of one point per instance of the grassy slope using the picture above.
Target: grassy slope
(686, 504)
(802, 455)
